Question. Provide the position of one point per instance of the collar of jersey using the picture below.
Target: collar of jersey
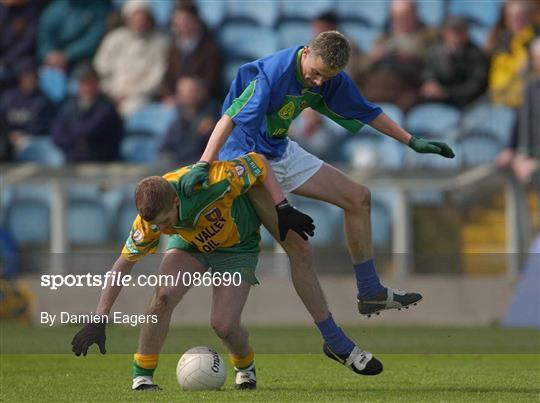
(298, 69)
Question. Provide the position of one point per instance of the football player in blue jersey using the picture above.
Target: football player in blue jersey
(266, 95)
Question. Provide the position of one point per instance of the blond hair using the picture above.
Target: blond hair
(153, 195)
(333, 47)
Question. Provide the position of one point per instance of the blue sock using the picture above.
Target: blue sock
(335, 337)
(367, 280)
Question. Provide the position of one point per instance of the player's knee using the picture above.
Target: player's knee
(223, 328)
(296, 247)
(161, 302)
(357, 197)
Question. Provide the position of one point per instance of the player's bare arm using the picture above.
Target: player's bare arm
(111, 292)
(219, 136)
(385, 125)
(95, 332)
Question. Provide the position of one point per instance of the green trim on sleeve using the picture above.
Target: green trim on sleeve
(252, 165)
(352, 125)
(239, 103)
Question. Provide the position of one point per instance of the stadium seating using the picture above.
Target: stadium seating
(371, 150)
(86, 223)
(152, 119)
(495, 120)
(381, 222)
(241, 38)
(41, 150)
(6, 194)
(265, 12)
(229, 71)
(126, 214)
(431, 12)
(433, 120)
(307, 10)
(483, 12)
(362, 35)
(328, 220)
(294, 32)
(78, 192)
(211, 12)
(373, 11)
(162, 10)
(53, 83)
(479, 149)
(139, 150)
(28, 221)
(479, 35)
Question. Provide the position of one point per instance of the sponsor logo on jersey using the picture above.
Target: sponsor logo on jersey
(213, 215)
(287, 111)
(239, 170)
(137, 235)
(205, 239)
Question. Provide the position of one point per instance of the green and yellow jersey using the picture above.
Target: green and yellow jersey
(217, 219)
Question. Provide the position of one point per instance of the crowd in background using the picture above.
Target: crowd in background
(118, 60)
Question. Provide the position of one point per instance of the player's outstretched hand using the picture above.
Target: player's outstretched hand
(431, 147)
(290, 218)
(88, 335)
(198, 173)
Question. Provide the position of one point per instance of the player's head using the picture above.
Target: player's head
(325, 57)
(157, 202)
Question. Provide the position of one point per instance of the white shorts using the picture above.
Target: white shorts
(295, 167)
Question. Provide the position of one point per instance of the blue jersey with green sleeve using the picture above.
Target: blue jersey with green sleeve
(269, 93)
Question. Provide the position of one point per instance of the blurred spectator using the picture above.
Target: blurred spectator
(24, 111)
(196, 116)
(456, 69)
(328, 21)
(523, 155)
(398, 58)
(510, 54)
(192, 51)
(88, 127)
(131, 59)
(18, 26)
(70, 31)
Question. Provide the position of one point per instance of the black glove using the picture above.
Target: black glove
(88, 335)
(290, 218)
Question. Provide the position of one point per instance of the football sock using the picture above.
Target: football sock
(144, 364)
(367, 280)
(242, 362)
(336, 339)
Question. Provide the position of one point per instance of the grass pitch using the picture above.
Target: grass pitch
(421, 364)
